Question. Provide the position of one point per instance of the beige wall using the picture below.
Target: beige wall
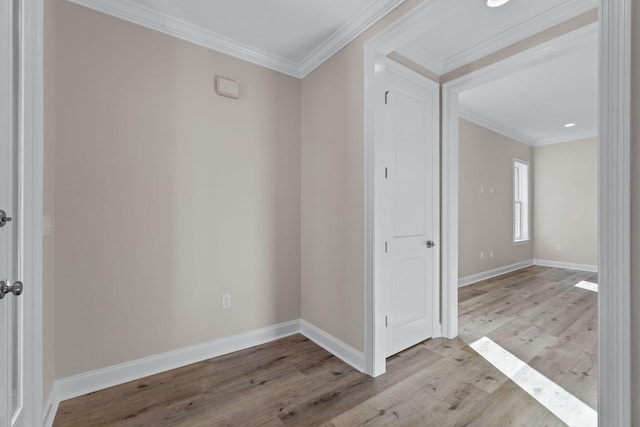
(48, 274)
(333, 190)
(566, 202)
(167, 195)
(485, 221)
(635, 214)
(413, 66)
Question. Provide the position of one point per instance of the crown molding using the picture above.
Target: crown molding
(481, 120)
(531, 27)
(368, 16)
(167, 24)
(567, 138)
(141, 15)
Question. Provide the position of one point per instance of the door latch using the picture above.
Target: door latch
(4, 218)
(430, 244)
(6, 287)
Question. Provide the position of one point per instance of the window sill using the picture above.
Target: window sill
(521, 242)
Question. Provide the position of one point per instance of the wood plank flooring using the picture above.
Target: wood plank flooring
(535, 313)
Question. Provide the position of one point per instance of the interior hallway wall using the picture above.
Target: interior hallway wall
(566, 202)
(333, 190)
(485, 200)
(167, 195)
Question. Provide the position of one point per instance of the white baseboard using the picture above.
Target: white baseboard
(473, 278)
(333, 345)
(50, 408)
(78, 385)
(567, 265)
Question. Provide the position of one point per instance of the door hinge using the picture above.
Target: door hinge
(386, 97)
(386, 321)
(386, 247)
(386, 173)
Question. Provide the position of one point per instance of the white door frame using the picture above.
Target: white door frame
(31, 159)
(614, 320)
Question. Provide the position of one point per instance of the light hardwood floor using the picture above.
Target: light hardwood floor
(536, 313)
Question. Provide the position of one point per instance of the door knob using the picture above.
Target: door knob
(4, 218)
(6, 287)
(430, 243)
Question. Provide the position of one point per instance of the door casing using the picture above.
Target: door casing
(29, 209)
(614, 319)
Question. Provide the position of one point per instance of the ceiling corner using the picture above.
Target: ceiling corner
(367, 17)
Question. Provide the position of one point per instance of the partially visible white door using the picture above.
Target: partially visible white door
(12, 342)
(412, 201)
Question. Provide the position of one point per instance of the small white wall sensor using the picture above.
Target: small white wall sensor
(227, 87)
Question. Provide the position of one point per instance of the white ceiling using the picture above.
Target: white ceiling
(295, 36)
(535, 103)
(291, 29)
(476, 30)
(291, 36)
(531, 105)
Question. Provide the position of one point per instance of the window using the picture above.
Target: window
(520, 200)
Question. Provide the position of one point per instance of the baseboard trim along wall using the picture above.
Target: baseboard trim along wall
(78, 385)
(50, 408)
(568, 265)
(473, 278)
(333, 345)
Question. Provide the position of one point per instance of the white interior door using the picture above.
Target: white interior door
(412, 208)
(12, 396)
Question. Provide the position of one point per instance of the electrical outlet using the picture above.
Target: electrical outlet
(226, 301)
(481, 254)
(490, 254)
(558, 247)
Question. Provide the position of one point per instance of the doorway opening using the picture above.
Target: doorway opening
(433, 15)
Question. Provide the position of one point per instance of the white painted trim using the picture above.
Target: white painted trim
(368, 16)
(521, 61)
(614, 203)
(88, 382)
(486, 123)
(539, 23)
(567, 265)
(32, 159)
(150, 18)
(342, 351)
(450, 171)
(147, 17)
(567, 138)
(474, 278)
(51, 408)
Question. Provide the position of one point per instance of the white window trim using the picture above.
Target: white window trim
(526, 211)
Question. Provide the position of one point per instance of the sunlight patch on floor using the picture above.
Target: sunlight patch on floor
(568, 408)
(590, 286)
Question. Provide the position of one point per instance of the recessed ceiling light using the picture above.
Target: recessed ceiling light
(496, 3)
(569, 125)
